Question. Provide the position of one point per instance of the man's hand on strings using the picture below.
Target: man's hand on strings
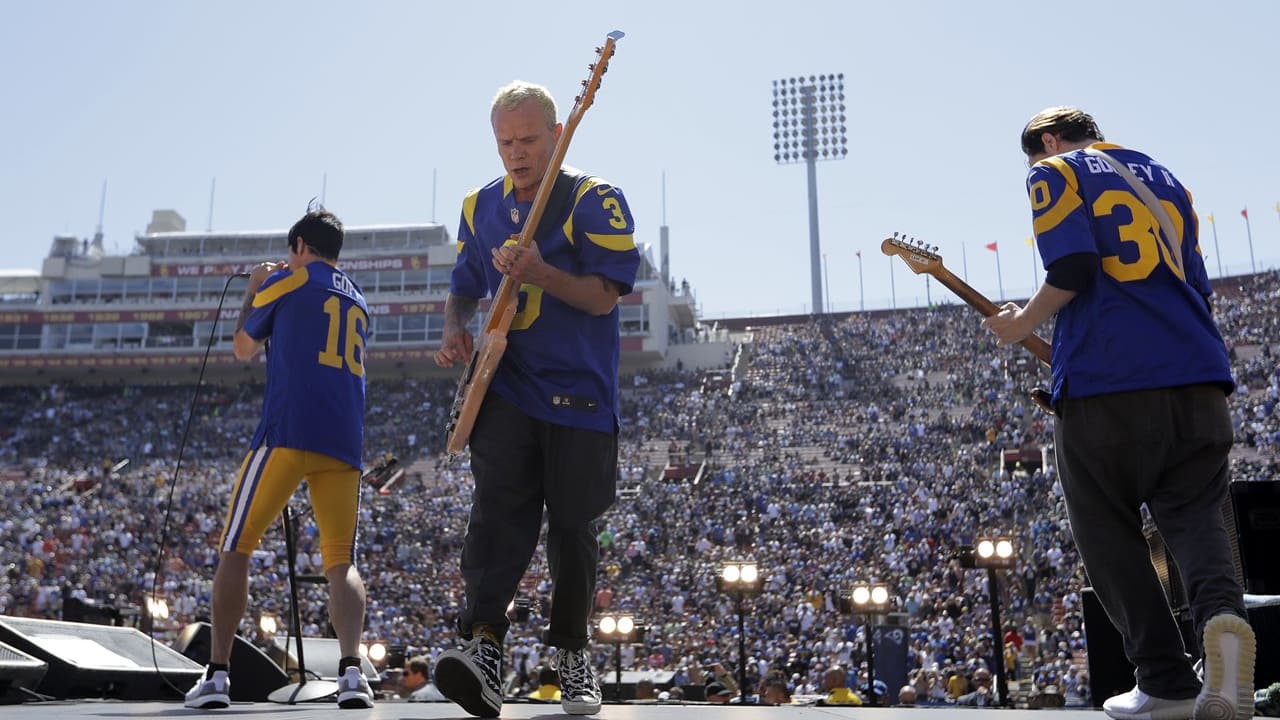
(1008, 325)
(522, 264)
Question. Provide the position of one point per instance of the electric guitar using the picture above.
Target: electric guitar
(923, 259)
(492, 342)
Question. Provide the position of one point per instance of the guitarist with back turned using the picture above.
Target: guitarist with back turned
(546, 433)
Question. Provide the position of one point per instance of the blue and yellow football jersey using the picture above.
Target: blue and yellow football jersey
(561, 364)
(1146, 323)
(317, 322)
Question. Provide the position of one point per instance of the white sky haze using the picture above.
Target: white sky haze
(160, 98)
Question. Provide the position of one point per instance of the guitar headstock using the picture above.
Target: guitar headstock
(592, 83)
(919, 257)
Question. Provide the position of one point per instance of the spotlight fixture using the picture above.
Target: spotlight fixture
(157, 607)
(267, 623)
(739, 576)
(620, 628)
(994, 552)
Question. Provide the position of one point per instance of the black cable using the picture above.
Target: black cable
(173, 483)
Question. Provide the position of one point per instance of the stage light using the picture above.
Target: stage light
(991, 553)
(871, 600)
(740, 578)
(994, 552)
(619, 630)
(158, 608)
(377, 653)
(267, 624)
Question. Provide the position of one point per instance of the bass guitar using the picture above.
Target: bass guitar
(492, 342)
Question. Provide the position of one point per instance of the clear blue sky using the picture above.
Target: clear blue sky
(159, 98)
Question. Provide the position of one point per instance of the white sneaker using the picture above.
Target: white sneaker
(211, 691)
(1137, 705)
(1229, 648)
(353, 690)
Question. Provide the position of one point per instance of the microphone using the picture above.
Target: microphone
(240, 275)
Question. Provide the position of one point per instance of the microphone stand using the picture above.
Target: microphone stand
(304, 690)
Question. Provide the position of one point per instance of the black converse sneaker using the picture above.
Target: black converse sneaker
(579, 689)
(472, 676)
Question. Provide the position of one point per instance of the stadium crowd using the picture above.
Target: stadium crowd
(866, 448)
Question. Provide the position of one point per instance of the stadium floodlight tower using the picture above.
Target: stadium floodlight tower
(808, 126)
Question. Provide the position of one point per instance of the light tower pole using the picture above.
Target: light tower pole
(809, 125)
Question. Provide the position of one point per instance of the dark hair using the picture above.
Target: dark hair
(1071, 124)
(419, 664)
(321, 230)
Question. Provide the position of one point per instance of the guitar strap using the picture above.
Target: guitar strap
(561, 194)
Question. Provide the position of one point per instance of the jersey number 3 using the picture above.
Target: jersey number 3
(353, 347)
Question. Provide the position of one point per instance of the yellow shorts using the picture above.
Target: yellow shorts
(270, 476)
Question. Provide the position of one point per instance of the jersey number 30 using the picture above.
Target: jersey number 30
(353, 347)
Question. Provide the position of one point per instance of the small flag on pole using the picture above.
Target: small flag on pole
(1030, 241)
(1245, 213)
(991, 247)
(858, 253)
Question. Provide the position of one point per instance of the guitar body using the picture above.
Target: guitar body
(472, 388)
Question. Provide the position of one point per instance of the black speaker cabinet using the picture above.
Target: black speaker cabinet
(99, 661)
(254, 676)
(1111, 673)
(1256, 509)
(18, 671)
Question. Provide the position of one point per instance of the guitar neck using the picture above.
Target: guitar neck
(979, 302)
(499, 314)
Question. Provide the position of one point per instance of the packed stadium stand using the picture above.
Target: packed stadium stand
(830, 450)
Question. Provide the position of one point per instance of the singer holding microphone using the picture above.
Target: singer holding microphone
(312, 428)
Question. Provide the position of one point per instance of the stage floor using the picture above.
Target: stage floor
(399, 710)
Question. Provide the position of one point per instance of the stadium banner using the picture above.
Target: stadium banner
(140, 359)
(194, 315)
(407, 262)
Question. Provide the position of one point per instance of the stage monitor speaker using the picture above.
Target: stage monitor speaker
(1111, 673)
(18, 671)
(322, 656)
(1255, 505)
(254, 675)
(100, 661)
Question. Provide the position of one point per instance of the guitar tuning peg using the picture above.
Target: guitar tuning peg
(592, 66)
